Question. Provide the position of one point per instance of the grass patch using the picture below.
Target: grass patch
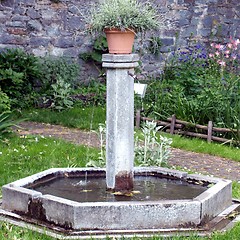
(21, 157)
(201, 146)
(90, 117)
(83, 118)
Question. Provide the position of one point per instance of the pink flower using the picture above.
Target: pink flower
(227, 52)
(217, 53)
(219, 46)
(222, 63)
(211, 55)
(236, 42)
(229, 45)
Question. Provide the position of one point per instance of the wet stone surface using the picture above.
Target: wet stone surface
(149, 188)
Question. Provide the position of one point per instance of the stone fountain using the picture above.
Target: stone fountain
(61, 199)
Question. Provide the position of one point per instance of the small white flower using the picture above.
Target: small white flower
(0, 153)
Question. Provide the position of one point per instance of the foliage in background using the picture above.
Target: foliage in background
(53, 68)
(5, 104)
(99, 47)
(91, 94)
(26, 80)
(19, 74)
(60, 77)
(6, 122)
(198, 88)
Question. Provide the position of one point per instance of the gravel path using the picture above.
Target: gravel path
(197, 162)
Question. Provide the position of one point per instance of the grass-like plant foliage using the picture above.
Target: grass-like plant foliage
(123, 14)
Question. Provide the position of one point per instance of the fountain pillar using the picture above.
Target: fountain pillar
(120, 120)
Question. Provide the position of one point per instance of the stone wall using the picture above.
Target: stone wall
(44, 27)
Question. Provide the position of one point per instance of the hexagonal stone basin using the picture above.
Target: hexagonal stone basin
(109, 212)
(93, 189)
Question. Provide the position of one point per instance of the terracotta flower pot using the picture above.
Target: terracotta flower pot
(120, 42)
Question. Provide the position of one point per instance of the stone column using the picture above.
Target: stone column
(120, 120)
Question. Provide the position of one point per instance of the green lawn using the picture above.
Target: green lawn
(21, 157)
(83, 118)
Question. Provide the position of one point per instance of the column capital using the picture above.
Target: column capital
(120, 60)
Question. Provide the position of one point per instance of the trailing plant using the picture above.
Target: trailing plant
(153, 150)
(155, 44)
(123, 14)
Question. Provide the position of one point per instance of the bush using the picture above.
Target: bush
(197, 88)
(19, 74)
(54, 68)
(4, 102)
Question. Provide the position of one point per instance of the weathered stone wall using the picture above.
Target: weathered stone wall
(44, 27)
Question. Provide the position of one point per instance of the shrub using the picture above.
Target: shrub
(61, 95)
(4, 102)
(19, 74)
(198, 88)
(91, 94)
(54, 68)
(153, 150)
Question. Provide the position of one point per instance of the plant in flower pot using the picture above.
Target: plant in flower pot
(121, 20)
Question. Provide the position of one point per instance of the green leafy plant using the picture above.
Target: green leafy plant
(6, 122)
(99, 47)
(153, 150)
(53, 68)
(123, 14)
(61, 95)
(101, 161)
(4, 102)
(91, 94)
(19, 74)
